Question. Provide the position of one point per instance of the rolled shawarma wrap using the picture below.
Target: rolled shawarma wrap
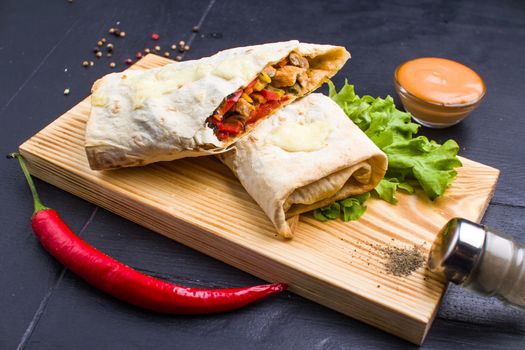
(305, 156)
(200, 107)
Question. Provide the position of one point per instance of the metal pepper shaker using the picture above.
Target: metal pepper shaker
(480, 259)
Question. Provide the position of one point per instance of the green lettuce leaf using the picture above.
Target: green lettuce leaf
(386, 189)
(351, 208)
(411, 160)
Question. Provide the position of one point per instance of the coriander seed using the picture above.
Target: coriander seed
(66, 92)
(112, 64)
(174, 47)
(166, 54)
(98, 54)
(122, 34)
(178, 58)
(85, 63)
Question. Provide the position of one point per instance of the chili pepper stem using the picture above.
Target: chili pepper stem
(36, 199)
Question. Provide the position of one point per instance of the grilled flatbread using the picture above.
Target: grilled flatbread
(305, 156)
(200, 107)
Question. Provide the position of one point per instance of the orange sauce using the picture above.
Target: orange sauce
(441, 81)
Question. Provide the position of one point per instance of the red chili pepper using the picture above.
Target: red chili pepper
(155, 36)
(125, 283)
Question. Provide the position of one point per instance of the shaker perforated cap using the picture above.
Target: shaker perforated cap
(457, 249)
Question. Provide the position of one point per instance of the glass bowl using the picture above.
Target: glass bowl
(433, 114)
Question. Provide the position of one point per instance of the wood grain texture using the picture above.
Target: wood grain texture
(199, 203)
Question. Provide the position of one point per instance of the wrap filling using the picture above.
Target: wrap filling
(290, 78)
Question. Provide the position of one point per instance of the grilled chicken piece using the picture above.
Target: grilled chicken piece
(318, 75)
(303, 79)
(243, 107)
(298, 60)
(270, 71)
(286, 76)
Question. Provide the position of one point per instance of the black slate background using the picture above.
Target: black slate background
(43, 306)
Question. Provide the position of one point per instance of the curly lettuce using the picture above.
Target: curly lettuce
(412, 161)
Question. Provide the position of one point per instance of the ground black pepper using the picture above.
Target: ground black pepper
(402, 262)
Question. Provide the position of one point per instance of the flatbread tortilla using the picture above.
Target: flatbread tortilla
(162, 114)
(305, 156)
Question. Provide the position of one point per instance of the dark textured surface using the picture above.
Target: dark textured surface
(45, 307)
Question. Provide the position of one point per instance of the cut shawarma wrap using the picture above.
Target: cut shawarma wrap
(305, 156)
(200, 107)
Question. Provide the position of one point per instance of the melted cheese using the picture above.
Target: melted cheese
(238, 67)
(298, 137)
(99, 99)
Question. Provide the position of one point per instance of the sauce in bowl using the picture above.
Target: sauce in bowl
(438, 92)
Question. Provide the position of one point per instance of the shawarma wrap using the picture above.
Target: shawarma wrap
(305, 156)
(200, 107)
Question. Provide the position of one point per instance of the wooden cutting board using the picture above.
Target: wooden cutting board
(199, 203)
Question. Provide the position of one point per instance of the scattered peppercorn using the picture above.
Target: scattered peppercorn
(85, 63)
(155, 36)
(182, 43)
(178, 58)
(96, 49)
(157, 48)
(100, 43)
(138, 55)
(111, 30)
(195, 29)
(147, 50)
(91, 63)
(98, 54)
(66, 92)
(122, 34)
(109, 46)
(103, 40)
(112, 64)
(128, 61)
(174, 47)
(166, 54)
(186, 47)
(117, 32)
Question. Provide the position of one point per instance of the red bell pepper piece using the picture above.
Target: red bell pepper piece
(263, 110)
(233, 127)
(222, 135)
(226, 106)
(270, 95)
